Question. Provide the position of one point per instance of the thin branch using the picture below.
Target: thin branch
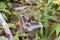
(5, 27)
(20, 8)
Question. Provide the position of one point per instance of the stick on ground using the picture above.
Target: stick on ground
(5, 27)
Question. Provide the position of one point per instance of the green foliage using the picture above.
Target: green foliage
(40, 3)
(45, 33)
(15, 13)
(57, 28)
(6, 11)
(32, 0)
(23, 34)
(58, 8)
(2, 5)
(45, 19)
(9, 4)
(5, 17)
(0, 26)
(37, 37)
(11, 25)
(54, 12)
(16, 37)
(37, 13)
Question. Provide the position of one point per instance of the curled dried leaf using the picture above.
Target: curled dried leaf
(54, 19)
(19, 23)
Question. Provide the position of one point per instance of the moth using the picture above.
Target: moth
(30, 25)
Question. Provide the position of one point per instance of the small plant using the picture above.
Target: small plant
(5, 8)
(46, 33)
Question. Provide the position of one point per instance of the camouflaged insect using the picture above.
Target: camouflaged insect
(30, 26)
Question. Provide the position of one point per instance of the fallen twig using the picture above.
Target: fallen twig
(5, 27)
(20, 8)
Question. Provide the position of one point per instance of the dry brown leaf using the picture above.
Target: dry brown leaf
(19, 23)
(1, 31)
(54, 19)
(19, 27)
(22, 1)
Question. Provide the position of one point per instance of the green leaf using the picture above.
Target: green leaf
(9, 4)
(58, 8)
(15, 13)
(37, 37)
(37, 13)
(11, 25)
(49, 2)
(6, 11)
(52, 31)
(2, 5)
(32, 0)
(57, 28)
(41, 32)
(16, 37)
(58, 38)
(0, 26)
(54, 12)
(23, 34)
(5, 17)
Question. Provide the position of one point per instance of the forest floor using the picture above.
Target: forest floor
(33, 20)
